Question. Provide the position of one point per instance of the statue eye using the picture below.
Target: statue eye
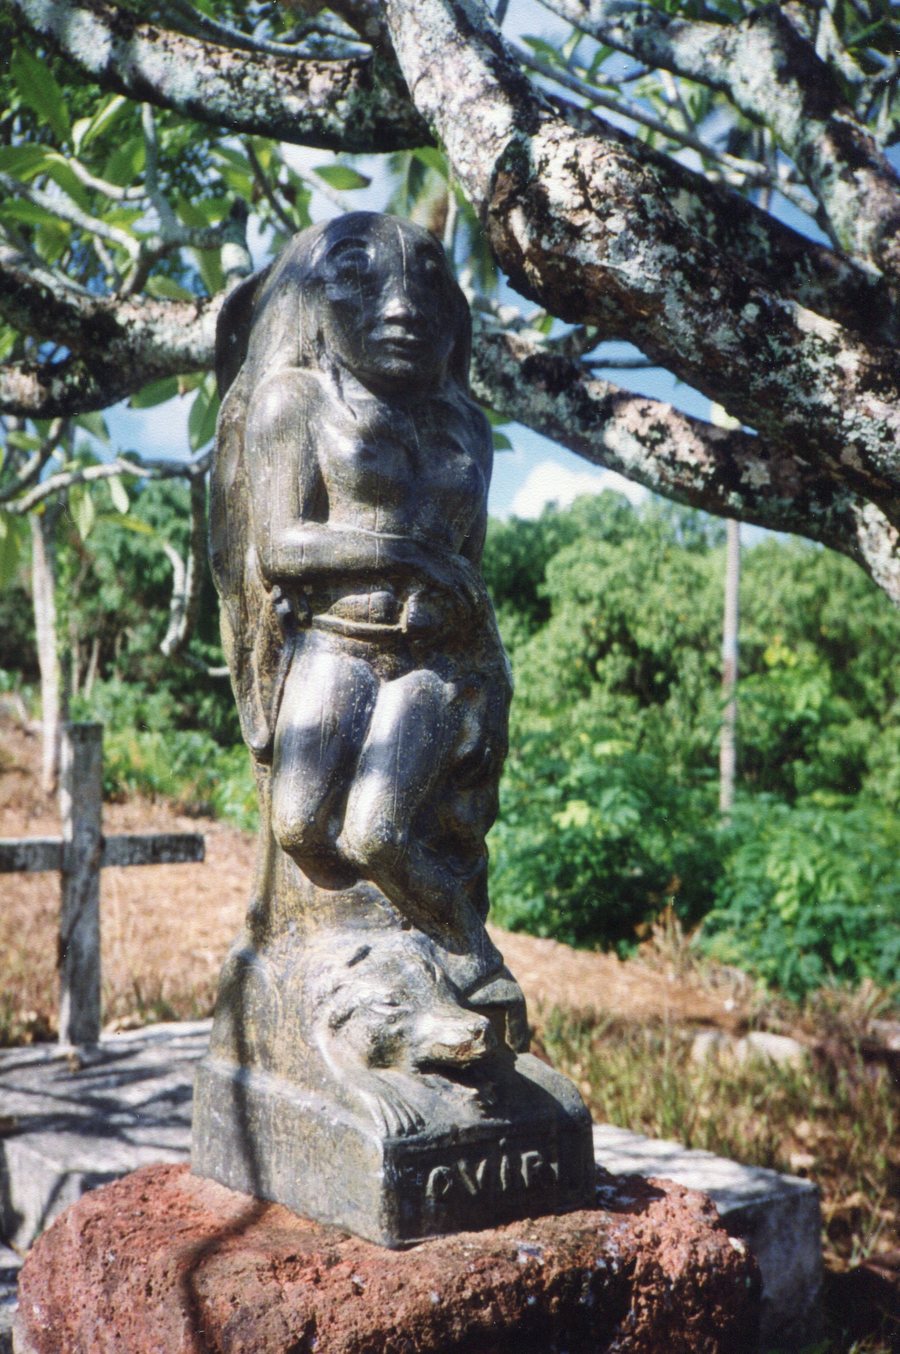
(429, 264)
(349, 263)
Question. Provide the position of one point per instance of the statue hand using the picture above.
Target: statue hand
(448, 572)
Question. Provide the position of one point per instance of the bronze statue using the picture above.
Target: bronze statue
(347, 520)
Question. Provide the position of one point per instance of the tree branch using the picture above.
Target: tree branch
(751, 172)
(90, 474)
(187, 578)
(772, 74)
(824, 281)
(117, 344)
(67, 210)
(336, 105)
(27, 474)
(581, 226)
(724, 471)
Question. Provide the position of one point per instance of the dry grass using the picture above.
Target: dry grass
(166, 928)
(833, 1120)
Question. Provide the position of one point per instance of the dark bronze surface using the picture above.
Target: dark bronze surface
(366, 1000)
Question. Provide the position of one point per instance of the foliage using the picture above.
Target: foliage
(809, 894)
(115, 590)
(145, 210)
(187, 767)
(608, 802)
(594, 839)
(144, 204)
(17, 647)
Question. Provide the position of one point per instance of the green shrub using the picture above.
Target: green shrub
(594, 839)
(809, 894)
(187, 767)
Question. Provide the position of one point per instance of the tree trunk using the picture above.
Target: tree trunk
(728, 733)
(43, 580)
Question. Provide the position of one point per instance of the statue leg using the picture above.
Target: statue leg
(467, 805)
(325, 711)
(403, 765)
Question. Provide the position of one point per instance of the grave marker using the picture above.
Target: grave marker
(79, 855)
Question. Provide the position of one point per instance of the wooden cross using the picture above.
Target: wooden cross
(80, 854)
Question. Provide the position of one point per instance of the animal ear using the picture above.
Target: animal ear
(339, 1017)
(233, 328)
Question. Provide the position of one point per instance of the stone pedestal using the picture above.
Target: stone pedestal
(163, 1260)
(531, 1153)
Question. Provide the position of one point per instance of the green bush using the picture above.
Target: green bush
(809, 894)
(594, 839)
(187, 767)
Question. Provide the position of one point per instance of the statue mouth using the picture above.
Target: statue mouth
(399, 337)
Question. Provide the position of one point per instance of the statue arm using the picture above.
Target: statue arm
(293, 538)
(472, 547)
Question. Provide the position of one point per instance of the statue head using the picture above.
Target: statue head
(367, 294)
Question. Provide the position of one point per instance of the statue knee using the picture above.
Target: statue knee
(297, 826)
(372, 841)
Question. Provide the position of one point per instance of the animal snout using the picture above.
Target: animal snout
(455, 1037)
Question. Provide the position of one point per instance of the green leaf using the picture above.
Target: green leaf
(95, 424)
(24, 161)
(501, 441)
(11, 547)
(157, 392)
(29, 213)
(342, 177)
(81, 506)
(65, 178)
(204, 212)
(209, 264)
(8, 340)
(38, 89)
(102, 120)
(127, 162)
(132, 523)
(189, 214)
(544, 49)
(168, 288)
(202, 418)
(432, 158)
(118, 494)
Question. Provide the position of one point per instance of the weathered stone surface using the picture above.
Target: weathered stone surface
(10, 1264)
(165, 1261)
(778, 1216)
(72, 1123)
(524, 1152)
(65, 1131)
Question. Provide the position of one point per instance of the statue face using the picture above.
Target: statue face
(386, 303)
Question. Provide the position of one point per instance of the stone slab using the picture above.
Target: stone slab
(10, 1264)
(70, 1122)
(777, 1215)
(166, 1260)
(63, 1131)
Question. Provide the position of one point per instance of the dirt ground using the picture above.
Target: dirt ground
(166, 928)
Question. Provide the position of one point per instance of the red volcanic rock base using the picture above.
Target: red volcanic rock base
(164, 1261)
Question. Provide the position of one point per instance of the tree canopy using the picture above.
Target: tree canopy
(632, 179)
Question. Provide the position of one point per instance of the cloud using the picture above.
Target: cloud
(550, 482)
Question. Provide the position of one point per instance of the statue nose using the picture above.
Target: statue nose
(397, 305)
